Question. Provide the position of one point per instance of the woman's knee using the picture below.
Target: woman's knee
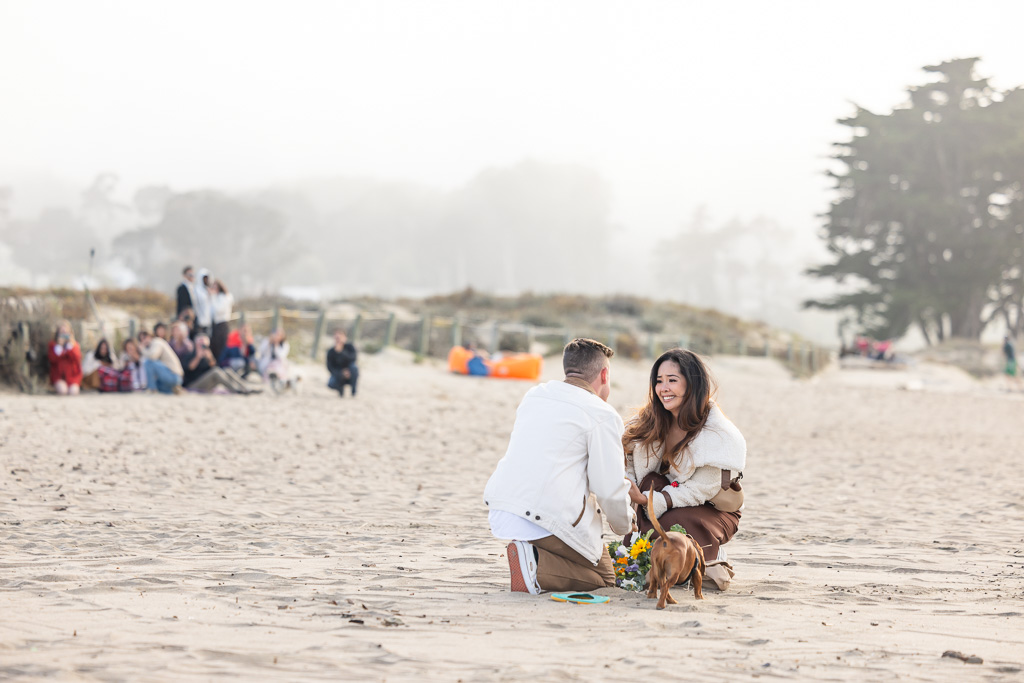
(61, 387)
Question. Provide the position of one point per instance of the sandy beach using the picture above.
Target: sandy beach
(308, 537)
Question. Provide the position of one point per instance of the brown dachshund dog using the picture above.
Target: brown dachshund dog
(675, 557)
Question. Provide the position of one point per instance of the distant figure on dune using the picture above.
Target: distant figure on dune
(341, 363)
(566, 444)
(65, 358)
(681, 443)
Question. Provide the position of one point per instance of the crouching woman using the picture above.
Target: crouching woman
(686, 448)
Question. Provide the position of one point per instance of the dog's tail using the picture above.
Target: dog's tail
(653, 517)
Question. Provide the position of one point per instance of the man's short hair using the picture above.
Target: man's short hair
(184, 271)
(585, 358)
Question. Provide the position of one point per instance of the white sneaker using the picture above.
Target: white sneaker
(522, 565)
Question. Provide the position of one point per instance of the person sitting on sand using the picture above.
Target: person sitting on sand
(240, 352)
(99, 369)
(565, 445)
(202, 373)
(272, 359)
(188, 316)
(65, 358)
(179, 341)
(341, 363)
(680, 442)
(163, 369)
(133, 377)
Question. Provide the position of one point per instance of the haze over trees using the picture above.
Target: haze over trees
(928, 226)
(926, 231)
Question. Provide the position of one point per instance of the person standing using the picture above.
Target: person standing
(221, 303)
(186, 291)
(566, 444)
(204, 306)
(341, 363)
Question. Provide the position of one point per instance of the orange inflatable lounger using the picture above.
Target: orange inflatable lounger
(517, 366)
(514, 366)
(458, 360)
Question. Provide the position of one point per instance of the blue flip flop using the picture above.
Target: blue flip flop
(580, 598)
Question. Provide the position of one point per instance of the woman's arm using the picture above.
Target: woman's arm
(701, 487)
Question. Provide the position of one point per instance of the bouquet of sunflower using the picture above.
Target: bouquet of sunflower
(634, 561)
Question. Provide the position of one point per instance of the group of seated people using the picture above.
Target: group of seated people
(169, 360)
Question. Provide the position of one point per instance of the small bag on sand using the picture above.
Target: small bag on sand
(730, 498)
(720, 573)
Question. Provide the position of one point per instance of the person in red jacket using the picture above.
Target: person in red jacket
(65, 361)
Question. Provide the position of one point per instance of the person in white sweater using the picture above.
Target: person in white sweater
(680, 442)
(562, 468)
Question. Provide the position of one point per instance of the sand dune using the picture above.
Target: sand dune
(315, 538)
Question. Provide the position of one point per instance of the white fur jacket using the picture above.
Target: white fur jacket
(719, 446)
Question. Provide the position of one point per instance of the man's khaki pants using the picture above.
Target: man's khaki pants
(560, 568)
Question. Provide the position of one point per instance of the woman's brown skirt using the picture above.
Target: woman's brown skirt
(709, 526)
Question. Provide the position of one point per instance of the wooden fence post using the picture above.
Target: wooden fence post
(318, 333)
(133, 326)
(456, 331)
(424, 335)
(355, 329)
(389, 336)
(276, 323)
(494, 338)
(22, 368)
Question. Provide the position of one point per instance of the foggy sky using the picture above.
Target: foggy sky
(677, 104)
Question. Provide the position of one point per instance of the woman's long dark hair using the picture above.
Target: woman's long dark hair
(653, 422)
(105, 345)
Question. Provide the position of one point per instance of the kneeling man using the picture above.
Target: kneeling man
(566, 445)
